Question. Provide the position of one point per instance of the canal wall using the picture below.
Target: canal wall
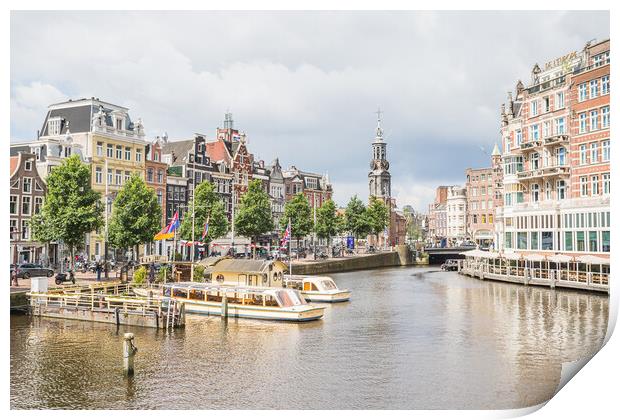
(19, 301)
(401, 257)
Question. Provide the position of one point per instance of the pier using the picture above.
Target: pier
(108, 304)
(586, 272)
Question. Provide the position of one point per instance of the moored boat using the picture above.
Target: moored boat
(317, 288)
(267, 303)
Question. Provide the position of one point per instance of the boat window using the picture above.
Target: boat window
(290, 297)
(328, 285)
(220, 278)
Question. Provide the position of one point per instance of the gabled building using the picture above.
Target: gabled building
(26, 195)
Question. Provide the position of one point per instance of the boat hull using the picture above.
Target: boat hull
(256, 312)
(342, 296)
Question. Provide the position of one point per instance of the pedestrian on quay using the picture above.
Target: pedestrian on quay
(98, 269)
(151, 273)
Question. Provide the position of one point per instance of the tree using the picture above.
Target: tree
(378, 215)
(356, 219)
(136, 215)
(71, 208)
(254, 216)
(327, 222)
(209, 206)
(300, 214)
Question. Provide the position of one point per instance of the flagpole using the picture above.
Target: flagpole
(290, 258)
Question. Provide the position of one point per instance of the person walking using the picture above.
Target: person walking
(98, 269)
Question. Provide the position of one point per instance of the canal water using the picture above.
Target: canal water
(411, 338)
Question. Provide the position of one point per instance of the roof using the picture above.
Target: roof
(217, 150)
(495, 151)
(179, 148)
(14, 164)
(77, 119)
(239, 265)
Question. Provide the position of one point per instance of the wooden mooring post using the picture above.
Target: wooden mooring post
(224, 311)
(129, 351)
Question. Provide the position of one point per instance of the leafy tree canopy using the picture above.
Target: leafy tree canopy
(299, 212)
(208, 205)
(254, 216)
(378, 215)
(356, 219)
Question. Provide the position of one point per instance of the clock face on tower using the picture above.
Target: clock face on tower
(385, 165)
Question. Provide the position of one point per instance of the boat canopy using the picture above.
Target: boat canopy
(592, 259)
(534, 257)
(511, 256)
(560, 258)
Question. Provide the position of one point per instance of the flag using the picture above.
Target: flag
(287, 235)
(205, 231)
(168, 231)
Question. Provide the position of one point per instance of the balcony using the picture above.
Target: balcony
(556, 139)
(531, 145)
(557, 170)
(544, 172)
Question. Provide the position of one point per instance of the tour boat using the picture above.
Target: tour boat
(267, 303)
(317, 288)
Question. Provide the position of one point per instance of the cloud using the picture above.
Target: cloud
(302, 85)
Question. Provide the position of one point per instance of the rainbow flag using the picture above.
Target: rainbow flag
(205, 231)
(168, 231)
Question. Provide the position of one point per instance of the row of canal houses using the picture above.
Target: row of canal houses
(104, 136)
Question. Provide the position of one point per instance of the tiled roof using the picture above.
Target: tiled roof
(216, 150)
(14, 163)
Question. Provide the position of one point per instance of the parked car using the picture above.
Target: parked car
(27, 270)
(450, 265)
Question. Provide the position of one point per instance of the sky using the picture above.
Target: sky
(303, 86)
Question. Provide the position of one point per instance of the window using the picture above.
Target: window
(119, 152)
(138, 155)
(548, 190)
(534, 240)
(27, 187)
(99, 148)
(490, 218)
(593, 120)
(561, 187)
(13, 202)
(582, 123)
(534, 108)
(159, 197)
(604, 85)
(149, 175)
(119, 123)
(560, 126)
(583, 92)
(25, 229)
(518, 137)
(110, 152)
(160, 176)
(118, 177)
(508, 240)
(13, 229)
(568, 241)
(156, 157)
(606, 185)
(535, 193)
(127, 175)
(28, 165)
(583, 186)
(547, 103)
(26, 204)
(595, 190)
(53, 126)
(127, 153)
(535, 159)
(521, 240)
(98, 175)
(546, 129)
(593, 89)
(474, 218)
(559, 100)
(583, 154)
(593, 241)
(561, 155)
(110, 177)
(534, 132)
(38, 203)
(593, 152)
(547, 241)
(605, 241)
(605, 117)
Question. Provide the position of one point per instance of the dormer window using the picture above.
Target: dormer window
(53, 126)
(119, 123)
(28, 165)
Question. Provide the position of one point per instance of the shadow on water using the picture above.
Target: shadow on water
(409, 338)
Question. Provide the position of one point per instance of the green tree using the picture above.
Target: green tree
(136, 215)
(254, 216)
(71, 208)
(300, 214)
(378, 215)
(356, 219)
(209, 206)
(327, 222)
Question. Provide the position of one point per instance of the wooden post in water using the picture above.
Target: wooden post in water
(129, 350)
(224, 311)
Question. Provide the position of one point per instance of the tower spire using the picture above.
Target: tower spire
(379, 129)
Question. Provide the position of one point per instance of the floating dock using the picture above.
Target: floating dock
(95, 303)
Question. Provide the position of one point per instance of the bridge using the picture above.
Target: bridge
(440, 255)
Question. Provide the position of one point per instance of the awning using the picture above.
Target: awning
(592, 259)
(560, 258)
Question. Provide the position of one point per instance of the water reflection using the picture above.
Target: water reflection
(410, 338)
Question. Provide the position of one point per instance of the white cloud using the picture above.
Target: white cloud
(28, 107)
